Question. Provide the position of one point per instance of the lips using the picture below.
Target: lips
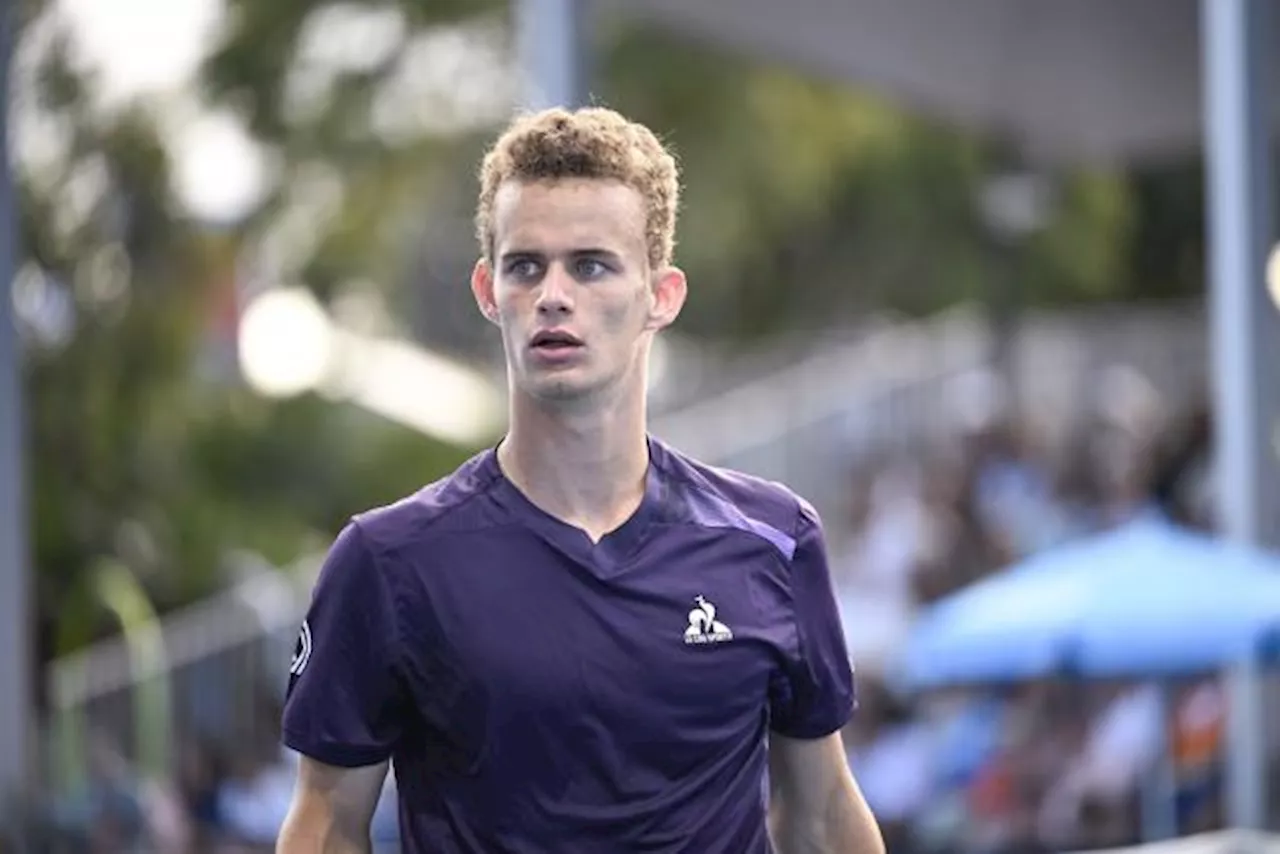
(554, 339)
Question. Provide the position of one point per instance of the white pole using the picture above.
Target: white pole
(549, 42)
(1244, 320)
(1245, 330)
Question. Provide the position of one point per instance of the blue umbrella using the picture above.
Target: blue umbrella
(1187, 604)
(1146, 599)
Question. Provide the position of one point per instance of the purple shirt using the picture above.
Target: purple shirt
(540, 693)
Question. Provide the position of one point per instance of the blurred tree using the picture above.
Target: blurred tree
(368, 108)
(811, 203)
(1167, 254)
(140, 453)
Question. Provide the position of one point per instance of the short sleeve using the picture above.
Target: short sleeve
(815, 696)
(344, 702)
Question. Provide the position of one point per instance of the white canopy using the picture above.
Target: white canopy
(1096, 80)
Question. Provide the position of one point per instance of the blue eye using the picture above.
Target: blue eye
(524, 268)
(590, 268)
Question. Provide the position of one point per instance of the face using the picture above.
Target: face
(571, 288)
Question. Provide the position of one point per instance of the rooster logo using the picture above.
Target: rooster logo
(703, 625)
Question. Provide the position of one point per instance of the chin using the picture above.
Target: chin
(558, 392)
(560, 389)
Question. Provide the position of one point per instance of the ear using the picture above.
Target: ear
(669, 291)
(482, 290)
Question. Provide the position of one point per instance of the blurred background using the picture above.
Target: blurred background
(985, 281)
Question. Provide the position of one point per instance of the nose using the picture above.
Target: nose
(555, 294)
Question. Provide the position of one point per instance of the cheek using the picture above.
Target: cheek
(617, 318)
(507, 303)
(628, 314)
(508, 319)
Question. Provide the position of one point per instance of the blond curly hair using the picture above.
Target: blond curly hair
(592, 142)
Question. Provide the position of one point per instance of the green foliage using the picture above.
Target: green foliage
(103, 425)
(138, 457)
(810, 203)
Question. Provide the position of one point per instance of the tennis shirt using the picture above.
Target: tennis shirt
(538, 692)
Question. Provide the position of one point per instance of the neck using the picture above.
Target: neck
(585, 467)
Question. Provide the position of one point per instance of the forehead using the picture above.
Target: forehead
(562, 215)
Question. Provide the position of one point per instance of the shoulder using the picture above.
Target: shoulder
(722, 496)
(365, 576)
(448, 504)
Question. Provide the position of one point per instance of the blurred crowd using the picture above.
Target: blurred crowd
(213, 803)
(1043, 767)
(225, 797)
(923, 521)
(1050, 766)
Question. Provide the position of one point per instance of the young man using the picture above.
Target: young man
(581, 641)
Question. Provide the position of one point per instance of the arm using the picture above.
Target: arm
(816, 806)
(344, 706)
(332, 809)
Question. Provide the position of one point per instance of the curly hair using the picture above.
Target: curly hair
(592, 142)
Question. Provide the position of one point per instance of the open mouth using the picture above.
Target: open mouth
(554, 341)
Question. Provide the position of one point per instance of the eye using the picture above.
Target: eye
(524, 269)
(589, 268)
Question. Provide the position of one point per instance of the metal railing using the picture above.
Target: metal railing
(206, 671)
(898, 389)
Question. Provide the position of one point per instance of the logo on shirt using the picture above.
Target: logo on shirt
(703, 625)
(302, 652)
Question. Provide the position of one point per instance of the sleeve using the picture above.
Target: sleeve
(814, 696)
(344, 701)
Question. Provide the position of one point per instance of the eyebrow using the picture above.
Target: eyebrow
(585, 252)
(597, 253)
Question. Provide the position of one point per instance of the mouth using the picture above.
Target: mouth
(555, 341)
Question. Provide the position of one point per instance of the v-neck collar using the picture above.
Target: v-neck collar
(614, 549)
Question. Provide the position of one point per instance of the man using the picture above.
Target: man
(580, 641)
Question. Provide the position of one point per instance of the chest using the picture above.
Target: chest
(685, 637)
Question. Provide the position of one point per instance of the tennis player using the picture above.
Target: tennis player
(581, 640)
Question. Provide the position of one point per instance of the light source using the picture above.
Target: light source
(285, 342)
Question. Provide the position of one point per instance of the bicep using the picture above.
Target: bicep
(818, 806)
(807, 772)
(332, 808)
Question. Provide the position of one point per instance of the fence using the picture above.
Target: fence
(909, 385)
(212, 670)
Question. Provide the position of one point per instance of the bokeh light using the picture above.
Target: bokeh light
(285, 342)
